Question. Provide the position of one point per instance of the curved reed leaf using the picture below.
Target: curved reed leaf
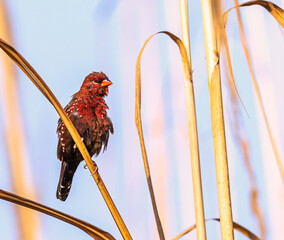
(44, 89)
(273, 9)
(229, 62)
(278, 14)
(187, 81)
(93, 231)
(236, 227)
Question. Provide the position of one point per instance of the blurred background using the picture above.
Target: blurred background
(66, 40)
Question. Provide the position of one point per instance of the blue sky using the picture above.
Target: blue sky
(65, 41)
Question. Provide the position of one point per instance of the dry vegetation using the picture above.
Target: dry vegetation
(214, 21)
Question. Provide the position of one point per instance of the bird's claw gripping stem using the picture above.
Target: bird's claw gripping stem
(96, 170)
(95, 165)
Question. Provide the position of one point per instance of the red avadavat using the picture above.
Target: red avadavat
(88, 112)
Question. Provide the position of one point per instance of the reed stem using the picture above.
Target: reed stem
(192, 129)
(214, 81)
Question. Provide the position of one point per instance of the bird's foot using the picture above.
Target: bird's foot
(75, 146)
(94, 164)
(96, 170)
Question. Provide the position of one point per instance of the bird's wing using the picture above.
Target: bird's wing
(63, 134)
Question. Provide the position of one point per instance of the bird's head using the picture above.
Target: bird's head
(96, 83)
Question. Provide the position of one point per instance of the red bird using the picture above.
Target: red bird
(88, 112)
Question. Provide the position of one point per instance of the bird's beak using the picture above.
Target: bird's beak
(106, 83)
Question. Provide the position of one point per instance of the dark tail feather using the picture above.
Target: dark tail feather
(65, 180)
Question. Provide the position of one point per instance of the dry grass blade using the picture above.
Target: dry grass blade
(236, 226)
(22, 63)
(273, 9)
(44, 89)
(278, 14)
(185, 232)
(138, 116)
(93, 231)
(225, 40)
(243, 144)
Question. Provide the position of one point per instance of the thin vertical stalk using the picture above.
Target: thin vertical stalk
(15, 138)
(217, 118)
(192, 130)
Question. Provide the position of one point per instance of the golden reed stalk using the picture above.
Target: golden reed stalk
(192, 129)
(217, 118)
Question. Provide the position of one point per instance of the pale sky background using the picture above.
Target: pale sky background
(66, 40)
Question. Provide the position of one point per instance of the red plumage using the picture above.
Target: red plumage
(88, 112)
